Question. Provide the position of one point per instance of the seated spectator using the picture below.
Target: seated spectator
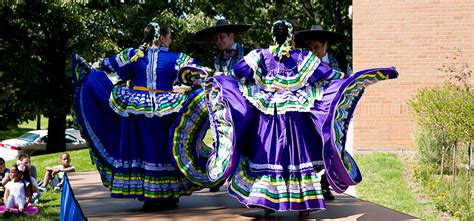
(33, 172)
(17, 191)
(4, 178)
(26, 160)
(54, 175)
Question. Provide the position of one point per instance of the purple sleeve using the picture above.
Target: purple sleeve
(325, 72)
(245, 68)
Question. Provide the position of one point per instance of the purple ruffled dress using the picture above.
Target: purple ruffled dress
(277, 124)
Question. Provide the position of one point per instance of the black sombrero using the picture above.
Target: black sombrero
(222, 25)
(318, 33)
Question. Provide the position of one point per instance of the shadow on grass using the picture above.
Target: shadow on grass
(7, 134)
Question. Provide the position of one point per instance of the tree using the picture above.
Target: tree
(37, 38)
(261, 14)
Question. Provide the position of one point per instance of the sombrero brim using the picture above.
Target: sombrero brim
(207, 34)
(301, 37)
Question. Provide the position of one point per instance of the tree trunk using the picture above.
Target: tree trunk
(38, 122)
(454, 160)
(56, 129)
(469, 193)
(442, 161)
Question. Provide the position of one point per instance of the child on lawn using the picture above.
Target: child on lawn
(17, 190)
(3, 179)
(26, 160)
(54, 175)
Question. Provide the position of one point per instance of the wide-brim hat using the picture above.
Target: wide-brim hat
(222, 26)
(317, 33)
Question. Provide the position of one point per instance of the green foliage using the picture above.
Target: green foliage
(183, 28)
(36, 39)
(429, 147)
(445, 115)
(446, 108)
(447, 196)
(261, 15)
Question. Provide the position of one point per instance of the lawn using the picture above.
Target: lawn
(50, 201)
(386, 180)
(23, 128)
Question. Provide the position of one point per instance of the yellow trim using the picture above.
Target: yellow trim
(138, 54)
(141, 88)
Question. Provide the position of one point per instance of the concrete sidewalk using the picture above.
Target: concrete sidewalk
(96, 203)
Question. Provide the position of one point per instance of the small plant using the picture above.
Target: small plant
(445, 115)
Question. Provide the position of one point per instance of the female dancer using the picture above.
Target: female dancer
(128, 127)
(276, 122)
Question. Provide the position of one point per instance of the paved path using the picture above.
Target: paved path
(97, 204)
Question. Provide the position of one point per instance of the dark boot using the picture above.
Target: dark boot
(269, 212)
(304, 213)
(150, 206)
(169, 204)
(325, 188)
(216, 187)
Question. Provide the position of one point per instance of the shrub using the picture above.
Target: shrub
(445, 116)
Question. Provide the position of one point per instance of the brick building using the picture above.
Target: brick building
(415, 36)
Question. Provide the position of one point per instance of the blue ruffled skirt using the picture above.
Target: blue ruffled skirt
(129, 135)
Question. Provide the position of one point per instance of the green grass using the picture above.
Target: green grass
(23, 128)
(50, 201)
(7, 134)
(32, 124)
(385, 182)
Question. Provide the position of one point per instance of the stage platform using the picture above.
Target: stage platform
(96, 204)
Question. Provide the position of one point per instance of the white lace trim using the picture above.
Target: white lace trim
(254, 166)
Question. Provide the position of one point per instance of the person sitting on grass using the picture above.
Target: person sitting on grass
(26, 160)
(3, 179)
(17, 191)
(54, 175)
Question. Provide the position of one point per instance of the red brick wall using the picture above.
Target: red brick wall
(415, 36)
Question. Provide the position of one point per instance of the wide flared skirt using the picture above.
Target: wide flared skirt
(132, 153)
(276, 160)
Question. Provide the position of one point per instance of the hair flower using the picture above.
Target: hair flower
(21, 166)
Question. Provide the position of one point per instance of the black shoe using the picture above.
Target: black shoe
(150, 206)
(328, 195)
(168, 204)
(216, 187)
(269, 212)
(304, 213)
